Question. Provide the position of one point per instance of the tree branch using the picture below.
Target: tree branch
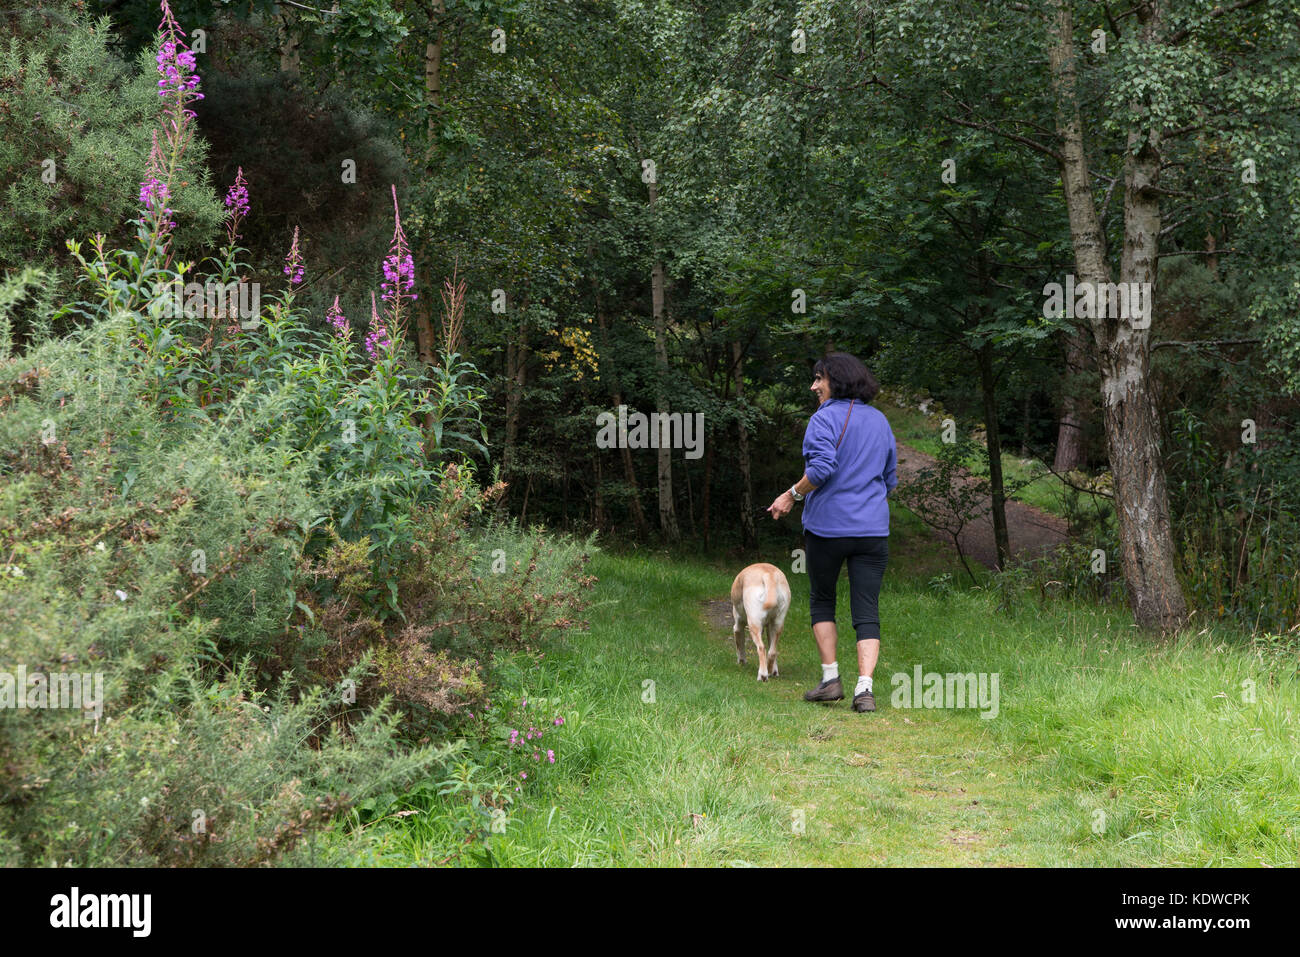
(1180, 35)
(1170, 343)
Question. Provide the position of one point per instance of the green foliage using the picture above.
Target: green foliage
(72, 101)
(291, 145)
(172, 478)
(157, 553)
(953, 492)
(1238, 520)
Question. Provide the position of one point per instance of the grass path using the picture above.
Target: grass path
(731, 764)
(1096, 723)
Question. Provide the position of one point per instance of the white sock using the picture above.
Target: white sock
(864, 684)
(831, 672)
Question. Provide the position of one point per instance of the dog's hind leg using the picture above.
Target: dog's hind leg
(772, 636)
(775, 625)
(756, 633)
(738, 634)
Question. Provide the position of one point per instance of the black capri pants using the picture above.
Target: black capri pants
(867, 557)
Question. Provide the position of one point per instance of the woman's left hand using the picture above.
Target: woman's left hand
(781, 505)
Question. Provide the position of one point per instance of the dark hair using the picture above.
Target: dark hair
(848, 377)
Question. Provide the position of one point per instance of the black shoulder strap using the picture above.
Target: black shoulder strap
(846, 425)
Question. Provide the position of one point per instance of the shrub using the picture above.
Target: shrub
(71, 100)
(241, 531)
(107, 510)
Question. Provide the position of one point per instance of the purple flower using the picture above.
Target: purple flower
(176, 66)
(293, 267)
(377, 339)
(237, 195)
(237, 203)
(178, 86)
(399, 277)
(559, 721)
(399, 267)
(550, 756)
(154, 191)
(343, 329)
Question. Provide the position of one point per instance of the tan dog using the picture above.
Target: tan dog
(760, 598)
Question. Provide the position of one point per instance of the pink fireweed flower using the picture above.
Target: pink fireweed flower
(293, 267)
(377, 340)
(178, 86)
(399, 269)
(154, 191)
(176, 65)
(175, 61)
(343, 330)
(237, 203)
(550, 756)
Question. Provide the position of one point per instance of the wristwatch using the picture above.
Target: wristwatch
(794, 493)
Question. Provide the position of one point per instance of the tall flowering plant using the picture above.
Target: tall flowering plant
(178, 85)
(237, 203)
(399, 273)
(123, 279)
(293, 264)
(355, 412)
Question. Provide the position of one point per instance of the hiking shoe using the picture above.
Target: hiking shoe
(864, 702)
(826, 691)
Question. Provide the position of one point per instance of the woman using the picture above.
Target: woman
(849, 465)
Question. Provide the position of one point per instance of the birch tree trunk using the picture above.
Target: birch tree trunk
(1129, 413)
(287, 28)
(667, 514)
(742, 453)
(425, 340)
(608, 376)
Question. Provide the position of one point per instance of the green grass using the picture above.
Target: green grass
(1093, 717)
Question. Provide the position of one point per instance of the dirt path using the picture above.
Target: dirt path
(1030, 531)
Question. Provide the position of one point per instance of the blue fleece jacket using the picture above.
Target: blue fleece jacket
(853, 480)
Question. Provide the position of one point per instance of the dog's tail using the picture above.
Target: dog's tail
(765, 595)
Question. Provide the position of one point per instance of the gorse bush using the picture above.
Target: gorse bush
(77, 121)
(252, 536)
(161, 557)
